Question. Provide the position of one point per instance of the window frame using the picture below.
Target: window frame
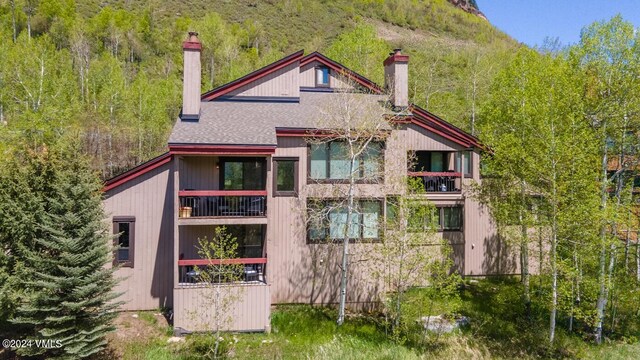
(361, 180)
(296, 175)
(117, 220)
(327, 226)
(322, 68)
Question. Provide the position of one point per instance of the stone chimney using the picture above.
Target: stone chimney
(396, 79)
(191, 78)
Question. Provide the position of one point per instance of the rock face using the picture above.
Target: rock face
(469, 6)
(439, 324)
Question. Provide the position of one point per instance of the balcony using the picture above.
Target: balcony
(439, 182)
(251, 270)
(222, 203)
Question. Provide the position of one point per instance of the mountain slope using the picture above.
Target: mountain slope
(109, 71)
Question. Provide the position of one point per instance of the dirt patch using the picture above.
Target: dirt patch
(135, 327)
(400, 35)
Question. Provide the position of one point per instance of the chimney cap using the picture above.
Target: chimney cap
(192, 42)
(396, 57)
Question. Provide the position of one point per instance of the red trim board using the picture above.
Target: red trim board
(137, 171)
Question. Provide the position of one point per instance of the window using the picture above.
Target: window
(451, 218)
(430, 161)
(322, 76)
(250, 239)
(330, 162)
(365, 220)
(124, 240)
(242, 173)
(444, 218)
(466, 164)
(285, 181)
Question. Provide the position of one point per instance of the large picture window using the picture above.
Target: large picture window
(242, 173)
(331, 162)
(124, 240)
(328, 220)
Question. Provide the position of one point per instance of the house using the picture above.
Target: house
(239, 157)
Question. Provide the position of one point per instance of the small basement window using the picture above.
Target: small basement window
(124, 240)
(322, 76)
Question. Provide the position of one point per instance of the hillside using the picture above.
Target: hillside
(119, 61)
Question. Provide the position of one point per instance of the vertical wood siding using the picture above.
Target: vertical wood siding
(250, 311)
(418, 138)
(148, 285)
(283, 82)
(199, 173)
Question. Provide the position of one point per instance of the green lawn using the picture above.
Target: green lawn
(498, 330)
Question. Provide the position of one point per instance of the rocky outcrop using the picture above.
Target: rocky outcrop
(469, 6)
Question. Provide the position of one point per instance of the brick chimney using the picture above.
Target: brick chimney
(191, 78)
(396, 79)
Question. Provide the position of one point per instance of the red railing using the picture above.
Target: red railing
(252, 271)
(440, 181)
(209, 203)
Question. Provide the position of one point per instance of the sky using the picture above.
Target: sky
(531, 21)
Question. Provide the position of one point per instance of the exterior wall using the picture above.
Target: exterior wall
(281, 83)
(199, 173)
(148, 285)
(486, 253)
(193, 310)
(300, 272)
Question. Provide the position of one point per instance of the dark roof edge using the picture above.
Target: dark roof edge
(136, 171)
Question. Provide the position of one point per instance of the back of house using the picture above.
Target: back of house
(243, 156)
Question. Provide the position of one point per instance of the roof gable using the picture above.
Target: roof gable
(342, 70)
(228, 88)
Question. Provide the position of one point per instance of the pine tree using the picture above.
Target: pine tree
(69, 294)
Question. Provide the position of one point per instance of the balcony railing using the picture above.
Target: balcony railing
(210, 203)
(250, 270)
(439, 182)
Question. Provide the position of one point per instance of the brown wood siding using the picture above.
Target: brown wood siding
(199, 173)
(148, 285)
(250, 312)
(417, 138)
(281, 83)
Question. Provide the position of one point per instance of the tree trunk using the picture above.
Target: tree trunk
(13, 20)
(554, 287)
(345, 245)
(602, 294)
(524, 256)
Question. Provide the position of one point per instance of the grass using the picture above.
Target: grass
(498, 330)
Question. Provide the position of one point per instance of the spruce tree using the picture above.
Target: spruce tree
(68, 296)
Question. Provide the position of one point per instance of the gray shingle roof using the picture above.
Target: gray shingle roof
(255, 123)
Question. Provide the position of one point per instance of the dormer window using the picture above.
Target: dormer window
(322, 76)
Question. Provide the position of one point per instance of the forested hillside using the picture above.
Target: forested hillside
(108, 73)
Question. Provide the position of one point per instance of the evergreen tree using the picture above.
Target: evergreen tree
(68, 289)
